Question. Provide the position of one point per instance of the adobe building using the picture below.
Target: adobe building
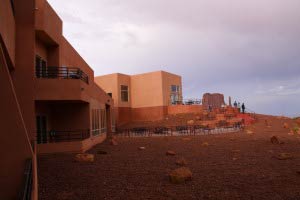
(49, 102)
(142, 97)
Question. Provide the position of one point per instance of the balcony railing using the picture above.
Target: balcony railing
(55, 136)
(191, 101)
(62, 73)
(27, 181)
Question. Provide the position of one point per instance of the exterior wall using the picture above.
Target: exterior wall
(149, 113)
(149, 94)
(15, 143)
(147, 90)
(70, 147)
(7, 32)
(48, 24)
(23, 76)
(168, 80)
(178, 109)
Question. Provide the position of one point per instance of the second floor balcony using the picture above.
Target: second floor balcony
(61, 73)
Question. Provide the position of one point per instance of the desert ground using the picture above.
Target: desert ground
(242, 165)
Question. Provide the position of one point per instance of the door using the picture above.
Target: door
(41, 123)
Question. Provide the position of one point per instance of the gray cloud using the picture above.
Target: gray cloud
(246, 49)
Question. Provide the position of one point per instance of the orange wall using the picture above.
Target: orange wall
(47, 21)
(7, 31)
(146, 90)
(168, 80)
(15, 144)
(178, 109)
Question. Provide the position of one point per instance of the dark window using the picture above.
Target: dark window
(124, 93)
(40, 67)
(109, 94)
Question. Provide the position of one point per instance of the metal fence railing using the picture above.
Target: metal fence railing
(55, 136)
(176, 131)
(25, 193)
(62, 73)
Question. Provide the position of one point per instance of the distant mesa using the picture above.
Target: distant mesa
(215, 100)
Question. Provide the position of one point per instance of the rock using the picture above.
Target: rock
(198, 117)
(284, 156)
(84, 157)
(234, 159)
(170, 153)
(286, 125)
(274, 140)
(142, 148)
(180, 175)
(215, 100)
(186, 139)
(190, 122)
(113, 142)
(249, 132)
(205, 144)
(101, 152)
(181, 162)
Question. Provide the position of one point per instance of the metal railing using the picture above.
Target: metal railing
(190, 101)
(177, 130)
(27, 181)
(55, 136)
(62, 73)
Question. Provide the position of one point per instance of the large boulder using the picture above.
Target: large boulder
(274, 140)
(181, 162)
(84, 157)
(190, 122)
(170, 153)
(180, 175)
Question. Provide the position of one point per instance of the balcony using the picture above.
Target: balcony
(55, 136)
(62, 73)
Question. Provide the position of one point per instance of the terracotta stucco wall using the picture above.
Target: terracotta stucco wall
(15, 143)
(146, 90)
(168, 80)
(7, 31)
(47, 21)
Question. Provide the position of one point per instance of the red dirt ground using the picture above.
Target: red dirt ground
(232, 166)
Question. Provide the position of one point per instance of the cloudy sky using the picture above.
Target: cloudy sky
(248, 49)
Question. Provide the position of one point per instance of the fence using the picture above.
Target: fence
(176, 131)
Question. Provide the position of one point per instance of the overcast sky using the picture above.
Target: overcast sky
(248, 49)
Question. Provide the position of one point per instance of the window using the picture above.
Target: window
(124, 93)
(175, 94)
(109, 94)
(96, 129)
(40, 67)
(103, 121)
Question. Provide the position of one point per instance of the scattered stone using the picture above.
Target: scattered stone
(205, 144)
(170, 153)
(180, 175)
(274, 140)
(142, 148)
(186, 139)
(284, 156)
(113, 142)
(198, 118)
(181, 162)
(286, 125)
(234, 159)
(101, 152)
(249, 132)
(190, 122)
(84, 157)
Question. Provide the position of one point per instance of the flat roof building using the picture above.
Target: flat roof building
(49, 102)
(142, 97)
